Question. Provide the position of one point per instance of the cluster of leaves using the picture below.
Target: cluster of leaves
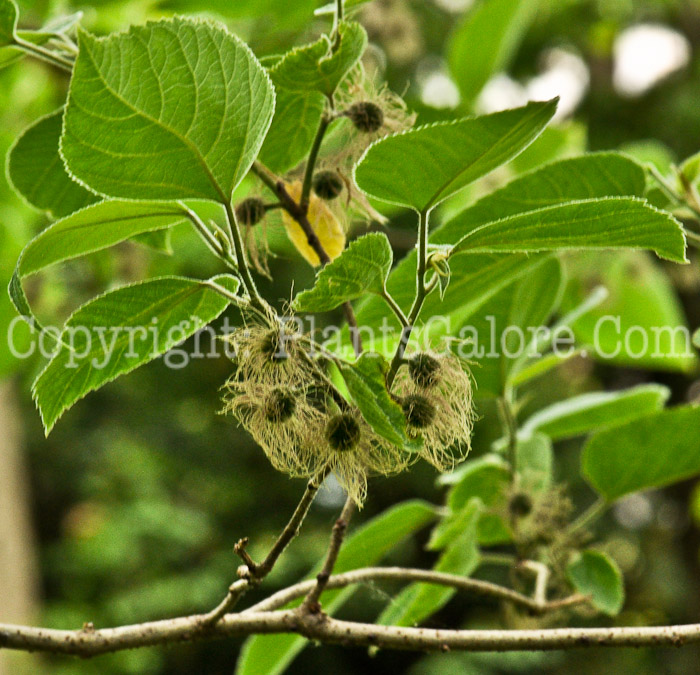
(162, 124)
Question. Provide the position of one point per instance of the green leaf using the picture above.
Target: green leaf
(419, 601)
(120, 331)
(36, 170)
(271, 654)
(642, 322)
(611, 223)
(486, 41)
(649, 452)
(512, 313)
(590, 176)
(534, 461)
(8, 22)
(581, 414)
(424, 166)
(92, 229)
(487, 479)
(291, 134)
(366, 382)
(187, 122)
(596, 574)
(318, 66)
(361, 268)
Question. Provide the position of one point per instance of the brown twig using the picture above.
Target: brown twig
(311, 602)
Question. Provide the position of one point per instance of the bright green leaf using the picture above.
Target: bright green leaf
(366, 382)
(611, 223)
(92, 229)
(187, 122)
(649, 452)
(51, 188)
(484, 43)
(591, 176)
(424, 166)
(596, 574)
(319, 66)
(587, 412)
(461, 556)
(271, 654)
(361, 268)
(120, 331)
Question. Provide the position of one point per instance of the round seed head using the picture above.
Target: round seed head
(343, 432)
(367, 117)
(424, 370)
(279, 406)
(327, 185)
(419, 411)
(250, 211)
(520, 505)
(273, 346)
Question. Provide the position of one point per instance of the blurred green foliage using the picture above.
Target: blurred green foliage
(141, 491)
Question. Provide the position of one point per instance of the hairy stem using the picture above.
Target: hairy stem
(45, 55)
(510, 429)
(590, 515)
(421, 293)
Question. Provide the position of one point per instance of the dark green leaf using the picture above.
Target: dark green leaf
(8, 22)
(424, 166)
(596, 574)
(120, 331)
(271, 654)
(361, 268)
(611, 223)
(50, 188)
(587, 412)
(366, 382)
(649, 452)
(187, 123)
(297, 116)
(318, 67)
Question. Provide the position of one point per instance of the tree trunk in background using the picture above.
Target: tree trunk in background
(18, 568)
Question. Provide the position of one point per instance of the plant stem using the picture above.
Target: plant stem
(671, 193)
(243, 269)
(393, 305)
(421, 293)
(44, 55)
(590, 515)
(510, 427)
(311, 602)
(367, 574)
(311, 163)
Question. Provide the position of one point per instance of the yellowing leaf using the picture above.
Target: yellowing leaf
(326, 226)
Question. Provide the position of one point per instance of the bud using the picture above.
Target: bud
(343, 432)
(424, 370)
(279, 406)
(250, 211)
(419, 411)
(327, 185)
(366, 116)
